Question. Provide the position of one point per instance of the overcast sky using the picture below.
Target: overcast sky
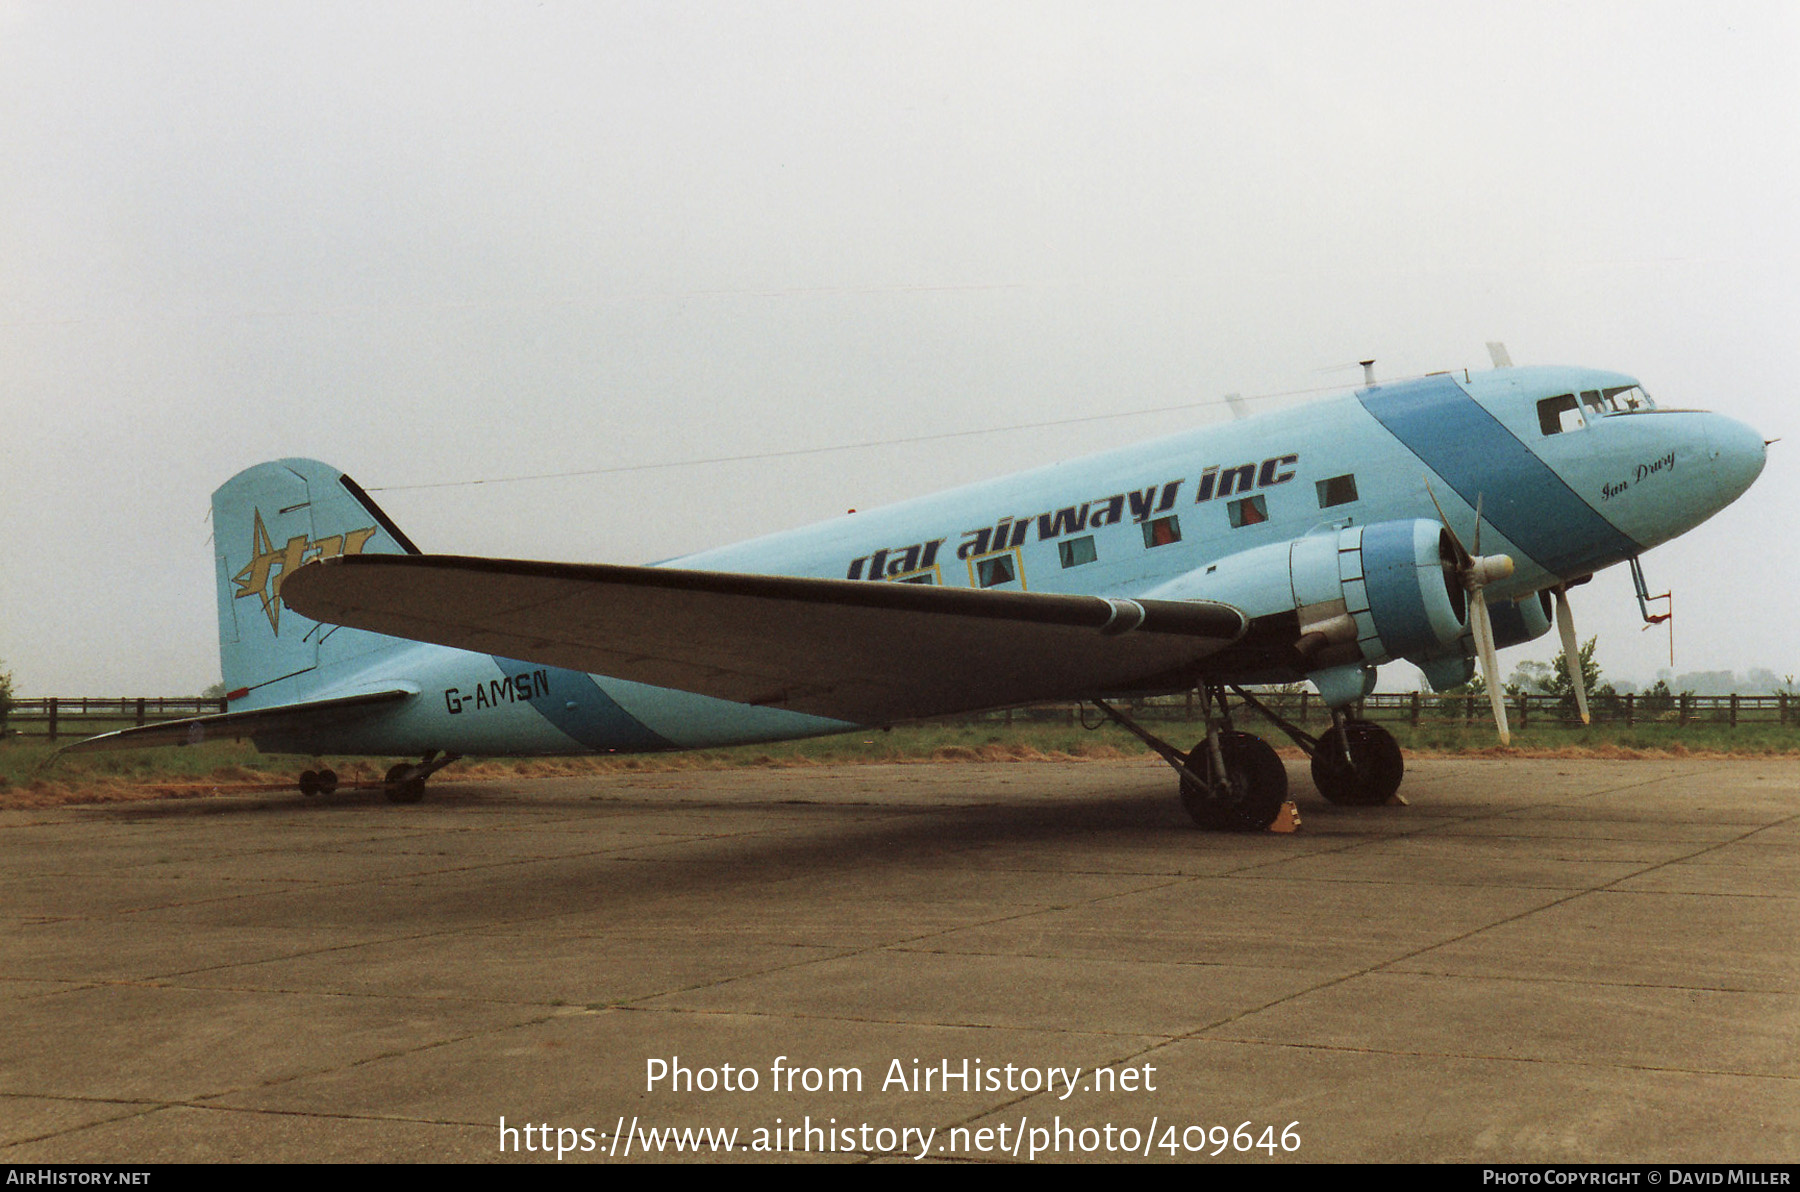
(442, 241)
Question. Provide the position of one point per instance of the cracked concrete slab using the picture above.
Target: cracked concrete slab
(1537, 961)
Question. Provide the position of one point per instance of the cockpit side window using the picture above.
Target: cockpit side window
(1558, 414)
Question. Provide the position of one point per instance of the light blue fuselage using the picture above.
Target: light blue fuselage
(1601, 488)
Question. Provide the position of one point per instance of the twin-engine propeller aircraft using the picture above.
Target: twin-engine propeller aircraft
(1308, 544)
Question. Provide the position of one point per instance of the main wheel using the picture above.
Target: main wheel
(309, 782)
(1247, 797)
(1373, 772)
(328, 782)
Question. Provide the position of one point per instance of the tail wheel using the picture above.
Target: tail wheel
(1371, 775)
(403, 786)
(1247, 797)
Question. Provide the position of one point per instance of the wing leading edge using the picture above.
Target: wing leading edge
(855, 651)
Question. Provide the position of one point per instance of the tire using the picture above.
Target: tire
(1374, 772)
(1254, 789)
(309, 783)
(402, 787)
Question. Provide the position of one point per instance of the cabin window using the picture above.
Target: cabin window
(1162, 531)
(1251, 511)
(1558, 414)
(995, 570)
(1076, 551)
(1339, 490)
(917, 577)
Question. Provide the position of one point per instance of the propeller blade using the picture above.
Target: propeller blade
(1490, 667)
(1474, 571)
(1462, 552)
(1565, 625)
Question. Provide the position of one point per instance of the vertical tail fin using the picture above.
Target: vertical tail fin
(267, 521)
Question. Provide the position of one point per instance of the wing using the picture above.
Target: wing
(225, 726)
(849, 650)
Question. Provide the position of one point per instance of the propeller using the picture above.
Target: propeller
(1565, 625)
(1474, 571)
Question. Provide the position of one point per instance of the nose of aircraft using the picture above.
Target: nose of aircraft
(1737, 455)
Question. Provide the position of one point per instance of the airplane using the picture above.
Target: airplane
(1311, 544)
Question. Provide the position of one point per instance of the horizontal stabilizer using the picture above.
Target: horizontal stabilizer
(851, 650)
(227, 726)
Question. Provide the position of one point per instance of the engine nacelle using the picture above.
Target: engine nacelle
(1519, 621)
(1515, 623)
(1363, 594)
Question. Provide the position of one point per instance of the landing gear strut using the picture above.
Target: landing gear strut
(1230, 782)
(406, 782)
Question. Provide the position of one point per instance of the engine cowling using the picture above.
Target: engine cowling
(1515, 623)
(1519, 621)
(1363, 595)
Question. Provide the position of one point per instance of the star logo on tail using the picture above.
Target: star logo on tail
(270, 564)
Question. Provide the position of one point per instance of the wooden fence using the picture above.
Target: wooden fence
(56, 718)
(1419, 708)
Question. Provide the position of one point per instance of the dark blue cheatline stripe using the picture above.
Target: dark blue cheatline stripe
(575, 704)
(1481, 460)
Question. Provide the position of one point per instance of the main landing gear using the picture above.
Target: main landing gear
(1357, 763)
(1230, 782)
(1233, 781)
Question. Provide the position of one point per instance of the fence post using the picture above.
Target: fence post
(1524, 710)
(1415, 710)
(1682, 715)
(1629, 710)
(140, 710)
(1734, 708)
(53, 718)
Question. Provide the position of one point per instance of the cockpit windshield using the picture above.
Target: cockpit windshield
(1625, 399)
(1565, 413)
